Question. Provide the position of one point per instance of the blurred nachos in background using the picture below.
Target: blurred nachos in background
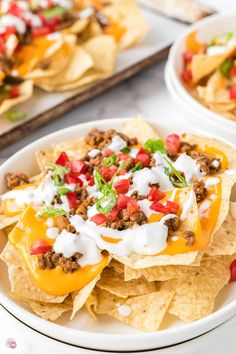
(61, 45)
(125, 223)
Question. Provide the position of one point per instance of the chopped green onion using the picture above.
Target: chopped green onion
(63, 191)
(153, 146)
(106, 203)
(58, 173)
(137, 167)
(181, 183)
(226, 67)
(51, 212)
(110, 160)
(16, 115)
(54, 11)
(125, 150)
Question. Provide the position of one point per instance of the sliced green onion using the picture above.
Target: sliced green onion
(226, 67)
(181, 183)
(106, 203)
(16, 115)
(51, 212)
(110, 160)
(153, 146)
(137, 167)
(63, 191)
(125, 150)
(54, 11)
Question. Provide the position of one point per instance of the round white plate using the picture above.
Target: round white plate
(107, 333)
(216, 25)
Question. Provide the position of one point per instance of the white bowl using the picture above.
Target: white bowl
(107, 333)
(215, 25)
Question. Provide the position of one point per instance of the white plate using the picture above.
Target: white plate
(105, 334)
(216, 25)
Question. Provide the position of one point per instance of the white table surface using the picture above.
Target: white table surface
(144, 94)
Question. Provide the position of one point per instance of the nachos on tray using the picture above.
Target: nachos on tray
(210, 72)
(62, 44)
(125, 223)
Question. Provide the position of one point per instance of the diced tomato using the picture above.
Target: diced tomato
(91, 182)
(99, 219)
(142, 151)
(122, 172)
(122, 201)
(122, 186)
(144, 158)
(72, 179)
(155, 194)
(123, 157)
(108, 172)
(77, 166)
(40, 246)
(14, 92)
(188, 56)
(160, 208)
(172, 143)
(232, 93)
(172, 207)
(233, 71)
(40, 31)
(107, 152)
(88, 176)
(186, 76)
(114, 213)
(14, 9)
(62, 159)
(132, 206)
(9, 30)
(233, 271)
(72, 199)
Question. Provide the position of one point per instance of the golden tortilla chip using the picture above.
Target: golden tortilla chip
(224, 240)
(80, 298)
(138, 128)
(26, 90)
(75, 149)
(196, 292)
(115, 284)
(43, 157)
(50, 312)
(78, 26)
(159, 273)
(91, 304)
(6, 221)
(144, 312)
(10, 255)
(117, 266)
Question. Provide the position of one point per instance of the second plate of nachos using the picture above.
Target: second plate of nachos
(122, 221)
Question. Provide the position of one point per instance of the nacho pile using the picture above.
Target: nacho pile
(209, 71)
(126, 223)
(61, 45)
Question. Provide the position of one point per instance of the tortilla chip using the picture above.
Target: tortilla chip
(43, 157)
(138, 128)
(74, 148)
(144, 312)
(26, 89)
(78, 26)
(6, 221)
(224, 240)
(155, 273)
(102, 49)
(80, 298)
(196, 292)
(10, 255)
(90, 305)
(117, 266)
(203, 65)
(115, 284)
(50, 312)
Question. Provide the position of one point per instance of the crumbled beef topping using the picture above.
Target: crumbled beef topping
(135, 195)
(100, 139)
(189, 236)
(186, 147)
(83, 207)
(15, 179)
(81, 193)
(173, 224)
(172, 155)
(126, 222)
(51, 260)
(200, 190)
(208, 165)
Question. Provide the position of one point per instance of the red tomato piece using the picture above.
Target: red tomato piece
(40, 31)
(14, 10)
(72, 179)
(160, 208)
(122, 172)
(114, 213)
(9, 30)
(91, 181)
(123, 157)
(77, 166)
(107, 152)
(144, 158)
(233, 271)
(186, 76)
(62, 159)
(142, 151)
(99, 219)
(14, 92)
(233, 71)
(172, 207)
(72, 199)
(108, 172)
(132, 206)
(122, 201)
(122, 186)
(155, 194)
(40, 246)
(172, 143)
(188, 56)
(232, 93)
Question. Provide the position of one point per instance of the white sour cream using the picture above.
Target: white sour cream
(212, 181)
(12, 21)
(189, 167)
(117, 144)
(188, 205)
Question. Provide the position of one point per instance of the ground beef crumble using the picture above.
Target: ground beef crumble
(15, 179)
(200, 190)
(189, 236)
(51, 260)
(173, 224)
(99, 139)
(208, 165)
